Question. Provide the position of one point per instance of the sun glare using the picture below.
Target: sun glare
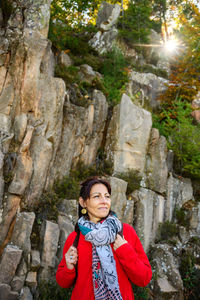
(171, 45)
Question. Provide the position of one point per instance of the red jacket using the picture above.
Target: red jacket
(131, 263)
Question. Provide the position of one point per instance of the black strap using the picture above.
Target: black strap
(121, 231)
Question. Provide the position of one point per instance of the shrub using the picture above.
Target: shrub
(190, 276)
(51, 291)
(167, 231)
(133, 178)
(182, 217)
(115, 75)
(176, 124)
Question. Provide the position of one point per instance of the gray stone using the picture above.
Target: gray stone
(81, 136)
(31, 279)
(26, 294)
(66, 227)
(37, 17)
(22, 270)
(149, 85)
(179, 191)
(149, 212)
(119, 201)
(11, 203)
(48, 62)
(69, 208)
(104, 41)
(1, 177)
(129, 212)
(9, 262)
(50, 236)
(6, 293)
(87, 74)
(35, 259)
(22, 231)
(20, 125)
(128, 137)
(107, 16)
(22, 174)
(168, 282)
(64, 59)
(195, 218)
(196, 101)
(41, 153)
(157, 155)
(17, 284)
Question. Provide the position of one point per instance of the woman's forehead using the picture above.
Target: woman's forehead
(99, 188)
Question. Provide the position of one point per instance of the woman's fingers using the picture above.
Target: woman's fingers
(71, 257)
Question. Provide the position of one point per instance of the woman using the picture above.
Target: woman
(104, 263)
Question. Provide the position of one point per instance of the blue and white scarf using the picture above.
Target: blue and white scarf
(101, 235)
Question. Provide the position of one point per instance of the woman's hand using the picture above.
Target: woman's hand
(119, 241)
(71, 257)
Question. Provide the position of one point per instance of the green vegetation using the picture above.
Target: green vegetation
(182, 217)
(166, 232)
(140, 293)
(133, 178)
(70, 185)
(136, 24)
(176, 124)
(190, 275)
(51, 291)
(114, 69)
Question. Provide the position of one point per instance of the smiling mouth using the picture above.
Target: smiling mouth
(103, 208)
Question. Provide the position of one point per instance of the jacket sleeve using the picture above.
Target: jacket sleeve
(133, 258)
(65, 277)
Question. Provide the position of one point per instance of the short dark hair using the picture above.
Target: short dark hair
(87, 185)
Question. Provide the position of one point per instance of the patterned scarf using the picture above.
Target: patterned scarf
(101, 235)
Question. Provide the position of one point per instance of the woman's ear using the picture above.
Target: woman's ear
(82, 202)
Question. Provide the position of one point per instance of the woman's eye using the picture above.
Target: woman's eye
(97, 196)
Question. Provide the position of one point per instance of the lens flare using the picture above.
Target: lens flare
(171, 45)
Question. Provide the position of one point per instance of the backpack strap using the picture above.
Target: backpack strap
(75, 243)
(121, 231)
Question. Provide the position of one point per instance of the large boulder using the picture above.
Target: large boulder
(157, 156)
(149, 214)
(118, 187)
(22, 231)
(104, 41)
(179, 191)
(82, 134)
(128, 137)
(105, 38)
(9, 263)
(148, 85)
(66, 227)
(50, 236)
(168, 283)
(107, 16)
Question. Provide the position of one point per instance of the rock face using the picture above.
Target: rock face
(22, 231)
(128, 137)
(9, 262)
(169, 283)
(179, 191)
(44, 134)
(81, 134)
(157, 156)
(104, 39)
(150, 212)
(148, 85)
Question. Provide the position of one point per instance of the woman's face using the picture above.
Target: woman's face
(98, 205)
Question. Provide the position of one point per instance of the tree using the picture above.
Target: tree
(184, 80)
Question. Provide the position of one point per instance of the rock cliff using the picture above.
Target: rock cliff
(44, 134)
